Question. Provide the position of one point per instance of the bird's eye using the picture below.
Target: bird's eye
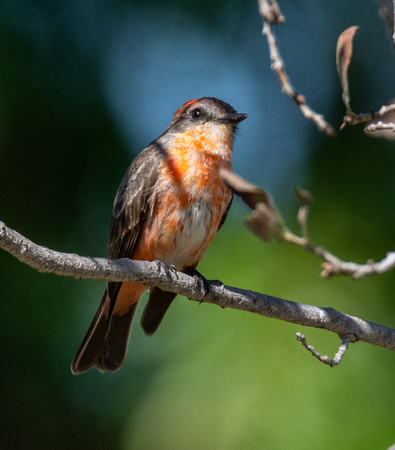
(196, 113)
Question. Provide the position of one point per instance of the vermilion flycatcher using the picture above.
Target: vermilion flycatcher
(169, 206)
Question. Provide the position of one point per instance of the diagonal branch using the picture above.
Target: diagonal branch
(155, 273)
(271, 15)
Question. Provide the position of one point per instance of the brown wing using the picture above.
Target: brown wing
(131, 208)
(225, 215)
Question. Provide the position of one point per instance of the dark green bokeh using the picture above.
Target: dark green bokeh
(209, 377)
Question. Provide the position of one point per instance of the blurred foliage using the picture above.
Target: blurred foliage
(209, 377)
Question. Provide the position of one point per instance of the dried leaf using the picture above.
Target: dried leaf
(266, 222)
(303, 196)
(249, 193)
(344, 50)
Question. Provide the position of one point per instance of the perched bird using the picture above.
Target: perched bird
(169, 206)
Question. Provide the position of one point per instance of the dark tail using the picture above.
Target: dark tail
(158, 303)
(105, 343)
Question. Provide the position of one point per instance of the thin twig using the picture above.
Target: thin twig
(271, 15)
(382, 120)
(380, 126)
(267, 223)
(335, 266)
(367, 117)
(157, 274)
(325, 359)
(332, 264)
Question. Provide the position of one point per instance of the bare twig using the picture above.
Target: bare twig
(382, 122)
(271, 15)
(367, 117)
(325, 359)
(157, 274)
(380, 126)
(335, 266)
(266, 222)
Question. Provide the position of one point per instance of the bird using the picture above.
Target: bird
(169, 206)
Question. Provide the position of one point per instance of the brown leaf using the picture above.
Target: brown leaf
(266, 222)
(250, 194)
(303, 196)
(344, 50)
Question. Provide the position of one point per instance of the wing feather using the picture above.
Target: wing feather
(131, 207)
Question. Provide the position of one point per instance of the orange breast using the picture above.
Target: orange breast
(188, 204)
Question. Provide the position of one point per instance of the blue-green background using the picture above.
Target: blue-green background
(84, 86)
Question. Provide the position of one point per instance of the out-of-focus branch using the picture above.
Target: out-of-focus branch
(380, 126)
(266, 222)
(271, 15)
(382, 121)
(367, 117)
(154, 273)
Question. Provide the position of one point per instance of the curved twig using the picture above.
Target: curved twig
(324, 358)
(271, 15)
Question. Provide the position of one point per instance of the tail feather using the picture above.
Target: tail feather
(104, 345)
(114, 349)
(158, 303)
(105, 342)
(92, 343)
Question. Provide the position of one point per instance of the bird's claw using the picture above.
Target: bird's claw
(168, 269)
(202, 284)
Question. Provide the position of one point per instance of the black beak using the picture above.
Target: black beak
(233, 118)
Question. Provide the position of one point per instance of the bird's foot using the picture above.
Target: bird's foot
(202, 284)
(168, 269)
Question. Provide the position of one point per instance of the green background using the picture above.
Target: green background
(84, 86)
